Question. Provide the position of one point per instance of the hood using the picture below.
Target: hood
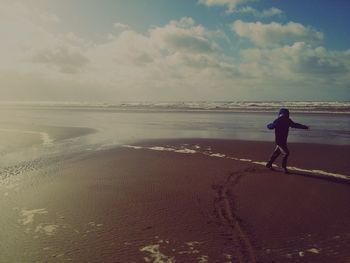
(283, 112)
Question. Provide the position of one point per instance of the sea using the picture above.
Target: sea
(37, 134)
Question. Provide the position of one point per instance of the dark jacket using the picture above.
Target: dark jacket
(281, 126)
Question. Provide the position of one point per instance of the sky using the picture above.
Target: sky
(166, 50)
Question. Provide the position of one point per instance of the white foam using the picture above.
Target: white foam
(232, 106)
(185, 151)
(47, 229)
(203, 259)
(132, 147)
(314, 250)
(28, 215)
(245, 160)
(44, 136)
(260, 163)
(341, 176)
(168, 149)
(107, 146)
(155, 255)
(233, 158)
(160, 148)
(221, 155)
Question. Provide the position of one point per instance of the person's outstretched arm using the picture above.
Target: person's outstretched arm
(271, 125)
(298, 125)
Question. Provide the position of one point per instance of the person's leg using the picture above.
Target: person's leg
(285, 152)
(273, 157)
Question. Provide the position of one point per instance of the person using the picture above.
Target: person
(281, 126)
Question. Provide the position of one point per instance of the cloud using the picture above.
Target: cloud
(168, 61)
(275, 34)
(120, 26)
(273, 11)
(230, 4)
(183, 36)
(298, 61)
(64, 59)
(179, 60)
(266, 13)
(27, 38)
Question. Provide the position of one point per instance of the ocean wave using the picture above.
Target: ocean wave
(229, 106)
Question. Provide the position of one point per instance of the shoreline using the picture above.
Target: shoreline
(140, 205)
(333, 158)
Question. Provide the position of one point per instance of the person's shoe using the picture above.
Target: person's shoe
(286, 171)
(269, 165)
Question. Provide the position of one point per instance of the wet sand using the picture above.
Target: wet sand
(181, 201)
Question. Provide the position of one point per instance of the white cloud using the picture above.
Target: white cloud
(169, 62)
(66, 60)
(28, 38)
(230, 4)
(299, 61)
(275, 34)
(120, 26)
(184, 36)
(181, 60)
(273, 11)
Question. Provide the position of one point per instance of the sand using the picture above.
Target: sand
(181, 201)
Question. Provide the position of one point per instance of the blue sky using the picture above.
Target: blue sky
(93, 18)
(124, 50)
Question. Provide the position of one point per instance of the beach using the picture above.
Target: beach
(148, 131)
(183, 200)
